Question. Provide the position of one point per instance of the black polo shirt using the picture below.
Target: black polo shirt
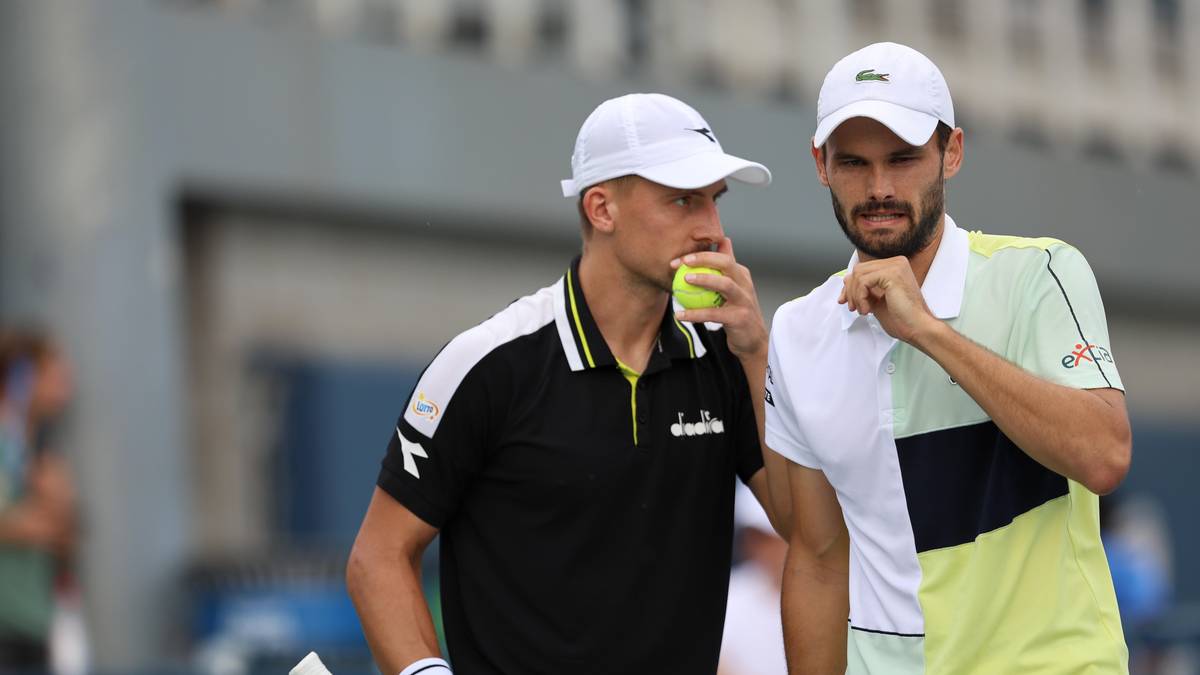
(567, 546)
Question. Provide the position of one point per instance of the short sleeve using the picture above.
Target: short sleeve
(440, 442)
(1061, 333)
(783, 431)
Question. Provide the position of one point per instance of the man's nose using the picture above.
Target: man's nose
(881, 187)
(709, 229)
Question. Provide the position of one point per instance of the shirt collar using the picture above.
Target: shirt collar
(583, 343)
(946, 279)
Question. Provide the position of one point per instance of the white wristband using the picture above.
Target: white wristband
(429, 666)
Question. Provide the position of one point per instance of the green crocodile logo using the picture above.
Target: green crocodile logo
(869, 75)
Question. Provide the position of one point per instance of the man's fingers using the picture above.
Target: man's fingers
(858, 288)
(862, 299)
(853, 289)
(734, 283)
(715, 282)
(868, 287)
(721, 259)
(732, 318)
(714, 259)
(699, 315)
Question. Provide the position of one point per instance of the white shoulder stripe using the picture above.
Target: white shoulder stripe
(565, 333)
(441, 379)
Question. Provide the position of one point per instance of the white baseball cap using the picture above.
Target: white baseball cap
(657, 137)
(895, 85)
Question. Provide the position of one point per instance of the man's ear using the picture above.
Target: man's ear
(953, 158)
(600, 207)
(819, 157)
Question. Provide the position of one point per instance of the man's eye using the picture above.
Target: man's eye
(852, 162)
(683, 201)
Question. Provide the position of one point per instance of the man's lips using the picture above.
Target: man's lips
(882, 219)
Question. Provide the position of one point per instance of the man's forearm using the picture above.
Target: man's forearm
(815, 608)
(392, 608)
(1072, 432)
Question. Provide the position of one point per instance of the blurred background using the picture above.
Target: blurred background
(248, 224)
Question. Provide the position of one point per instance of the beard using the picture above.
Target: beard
(907, 243)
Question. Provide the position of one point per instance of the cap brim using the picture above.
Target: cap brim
(915, 128)
(704, 169)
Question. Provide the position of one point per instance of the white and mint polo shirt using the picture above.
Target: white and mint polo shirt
(966, 555)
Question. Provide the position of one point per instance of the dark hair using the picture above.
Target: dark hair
(943, 132)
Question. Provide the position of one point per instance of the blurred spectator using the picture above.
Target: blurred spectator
(37, 498)
(753, 641)
(1138, 546)
(1139, 555)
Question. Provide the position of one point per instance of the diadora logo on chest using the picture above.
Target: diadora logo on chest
(706, 425)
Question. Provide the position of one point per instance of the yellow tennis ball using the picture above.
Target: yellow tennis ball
(695, 297)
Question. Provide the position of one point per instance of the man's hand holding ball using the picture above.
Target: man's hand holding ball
(691, 296)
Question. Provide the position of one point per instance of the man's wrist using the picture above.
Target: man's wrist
(428, 666)
(930, 335)
(754, 357)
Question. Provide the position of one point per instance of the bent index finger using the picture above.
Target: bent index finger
(714, 259)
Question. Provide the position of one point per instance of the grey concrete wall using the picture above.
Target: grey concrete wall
(114, 110)
(88, 247)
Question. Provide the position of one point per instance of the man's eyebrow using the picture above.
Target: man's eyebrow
(721, 192)
(906, 151)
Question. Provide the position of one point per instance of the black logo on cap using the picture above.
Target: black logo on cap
(705, 132)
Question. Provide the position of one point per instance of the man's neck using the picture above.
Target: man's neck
(627, 312)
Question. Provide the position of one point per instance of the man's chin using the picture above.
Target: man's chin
(879, 244)
(664, 283)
